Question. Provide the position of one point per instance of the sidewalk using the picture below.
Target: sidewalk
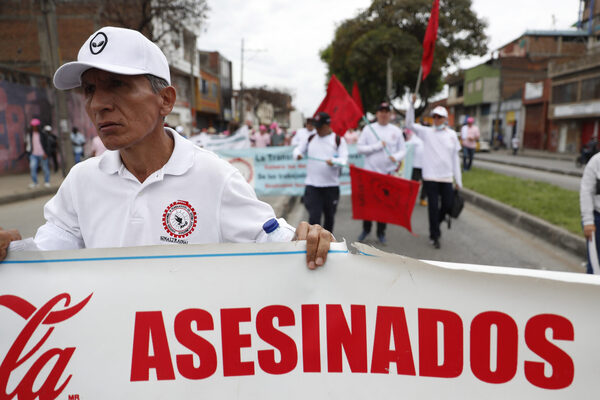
(16, 187)
(547, 162)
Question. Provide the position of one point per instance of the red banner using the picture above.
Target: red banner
(430, 38)
(382, 198)
(341, 108)
(356, 97)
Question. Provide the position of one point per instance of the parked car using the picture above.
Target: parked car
(483, 146)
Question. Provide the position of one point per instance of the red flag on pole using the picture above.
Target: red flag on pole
(341, 108)
(430, 38)
(382, 198)
(356, 98)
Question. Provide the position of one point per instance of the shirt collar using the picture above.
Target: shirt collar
(179, 163)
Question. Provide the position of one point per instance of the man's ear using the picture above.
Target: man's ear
(167, 98)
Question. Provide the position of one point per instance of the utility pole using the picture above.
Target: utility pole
(66, 150)
(192, 51)
(389, 92)
(241, 94)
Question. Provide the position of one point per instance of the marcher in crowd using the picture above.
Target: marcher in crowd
(40, 150)
(155, 186)
(469, 135)
(440, 165)
(77, 141)
(383, 153)
(262, 138)
(352, 136)
(326, 153)
(417, 171)
(97, 148)
(589, 202)
(303, 133)
(277, 135)
(52, 146)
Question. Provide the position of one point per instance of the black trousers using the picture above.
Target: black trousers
(417, 175)
(380, 227)
(438, 210)
(321, 201)
(467, 158)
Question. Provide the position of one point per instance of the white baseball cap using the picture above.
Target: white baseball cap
(118, 50)
(441, 111)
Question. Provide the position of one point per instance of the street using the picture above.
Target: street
(476, 237)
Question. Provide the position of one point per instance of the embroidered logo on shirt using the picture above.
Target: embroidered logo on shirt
(179, 219)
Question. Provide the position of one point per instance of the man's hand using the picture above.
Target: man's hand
(5, 238)
(383, 143)
(413, 98)
(329, 162)
(588, 231)
(393, 159)
(299, 157)
(318, 240)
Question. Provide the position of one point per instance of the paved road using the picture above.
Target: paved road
(565, 181)
(476, 237)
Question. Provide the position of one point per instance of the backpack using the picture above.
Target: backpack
(338, 140)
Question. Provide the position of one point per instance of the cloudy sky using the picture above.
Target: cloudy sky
(283, 37)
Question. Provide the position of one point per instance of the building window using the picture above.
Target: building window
(566, 93)
(204, 87)
(478, 84)
(485, 109)
(470, 87)
(459, 91)
(590, 89)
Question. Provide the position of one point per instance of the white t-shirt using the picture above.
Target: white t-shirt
(318, 150)
(417, 152)
(195, 198)
(301, 134)
(376, 157)
(440, 151)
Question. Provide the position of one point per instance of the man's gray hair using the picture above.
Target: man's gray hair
(156, 83)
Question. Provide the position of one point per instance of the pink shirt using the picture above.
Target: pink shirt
(469, 136)
(36, 145)
(261, 140)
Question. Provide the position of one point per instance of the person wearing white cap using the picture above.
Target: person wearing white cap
(440, 165)
(383, 152)
(151, 186)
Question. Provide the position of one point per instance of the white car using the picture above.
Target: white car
(483, 146)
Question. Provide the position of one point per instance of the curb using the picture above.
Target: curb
(34, 193)
(546, 231)
(545, 169)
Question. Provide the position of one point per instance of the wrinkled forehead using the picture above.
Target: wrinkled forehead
(97, 75)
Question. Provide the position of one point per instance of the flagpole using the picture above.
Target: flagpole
(419, 79)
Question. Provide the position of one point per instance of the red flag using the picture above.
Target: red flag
(341, 108)
(382, 198)
(356, 98)
(429, 40)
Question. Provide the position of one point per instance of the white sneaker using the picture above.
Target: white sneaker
(46, 184)
(33, 185)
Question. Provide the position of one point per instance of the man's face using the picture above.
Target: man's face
(309, 126)
(383, 117)
(123, 108)
(323, 130)
(438, 120)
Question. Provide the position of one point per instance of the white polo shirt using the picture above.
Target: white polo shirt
(440, 151)
(376, 157)
(196, 197)
(319, 173)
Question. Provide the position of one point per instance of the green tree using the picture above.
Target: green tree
(396, 28)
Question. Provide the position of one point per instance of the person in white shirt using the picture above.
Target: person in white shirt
(383, 153)
(326, 153)
(589, 201)
(440, 165)
(417, 172)
(303, 133)
(151, 186)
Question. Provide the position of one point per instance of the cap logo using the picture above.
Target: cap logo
(98, 43)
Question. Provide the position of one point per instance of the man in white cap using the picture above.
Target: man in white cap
(152, 186)
(383, 146)
(440, 165)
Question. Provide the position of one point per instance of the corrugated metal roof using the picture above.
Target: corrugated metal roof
(564, 32)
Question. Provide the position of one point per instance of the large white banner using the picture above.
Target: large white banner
(252, 322)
